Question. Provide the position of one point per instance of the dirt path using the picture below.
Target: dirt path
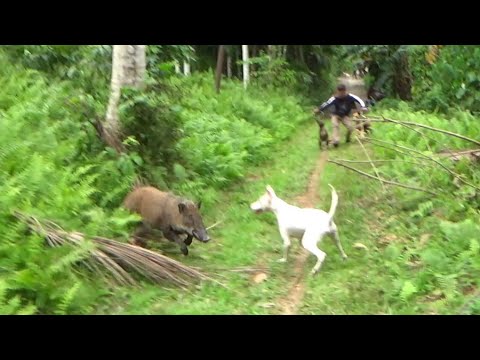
(355, 86)
(291, 302)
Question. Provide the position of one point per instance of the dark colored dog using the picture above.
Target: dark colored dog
(323, 134)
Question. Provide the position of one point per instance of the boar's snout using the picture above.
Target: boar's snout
(201, 235)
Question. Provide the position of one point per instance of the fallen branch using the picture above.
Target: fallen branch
(423, 135)
(383, 180)
(382, 161)
(373, 165)
(215, 225)
(398, 151)
(114, 257)
(385, 120)
(457, 155)
(240, 269)
(454, 174)
(465, 152)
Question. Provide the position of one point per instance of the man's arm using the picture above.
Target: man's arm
(326, 104)
(359, 101)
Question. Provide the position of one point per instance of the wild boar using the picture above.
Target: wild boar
(172, 215)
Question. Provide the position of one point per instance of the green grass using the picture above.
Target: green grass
(243, 239)
(396, 274)
(418, 261)
(354, 286)
(423, 252)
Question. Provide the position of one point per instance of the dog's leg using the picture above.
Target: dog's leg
(339, 244)
(309, 242)
(286, 245)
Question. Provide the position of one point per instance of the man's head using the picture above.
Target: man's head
(341, 91)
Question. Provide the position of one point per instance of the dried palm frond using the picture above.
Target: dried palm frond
(115, 258)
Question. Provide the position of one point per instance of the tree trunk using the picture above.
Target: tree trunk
(302, 54)
(219, 70)
(246, 68)
(402, 80)
(271, 51)
(186, 68)
(177, 67)
(229, 66)
(128, 69)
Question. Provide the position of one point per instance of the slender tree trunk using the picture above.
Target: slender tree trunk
(271, 51)
(177, 67)
(229, 66)
(128, 69)
(186, 68)
(246, 67)
(219, 70)
(253, 54)
(403, 78)
(302, 54)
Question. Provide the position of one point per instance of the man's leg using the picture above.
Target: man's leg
(336, 130)
(348, 124)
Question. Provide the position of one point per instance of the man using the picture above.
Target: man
(343, 103)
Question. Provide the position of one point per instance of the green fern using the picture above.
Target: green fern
(424, 209)
(408, 290)
(67, 299)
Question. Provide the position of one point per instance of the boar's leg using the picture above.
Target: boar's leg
(188, 240)
(181, 231)
(140, 233)
(172, 236)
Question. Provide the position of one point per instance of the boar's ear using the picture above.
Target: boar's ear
(199, 205)
(181, 207)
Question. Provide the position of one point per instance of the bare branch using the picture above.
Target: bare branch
(454, 174)
(383, 180)
(373, 165)
(214, 225)
(382, 161)
(425, 137)
(385, 120)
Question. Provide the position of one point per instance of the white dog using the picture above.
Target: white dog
(310, 225)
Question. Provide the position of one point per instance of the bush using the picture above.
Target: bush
(223, 132)
(40, 174)
(451, 80)
(180, 134)
(447, 266)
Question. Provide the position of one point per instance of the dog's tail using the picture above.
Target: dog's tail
(333, 206)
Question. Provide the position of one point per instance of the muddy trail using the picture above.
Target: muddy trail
(289, 304)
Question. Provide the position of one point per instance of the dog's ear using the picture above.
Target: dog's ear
(270, 191)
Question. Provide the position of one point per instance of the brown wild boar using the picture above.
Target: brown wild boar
(172, 215)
